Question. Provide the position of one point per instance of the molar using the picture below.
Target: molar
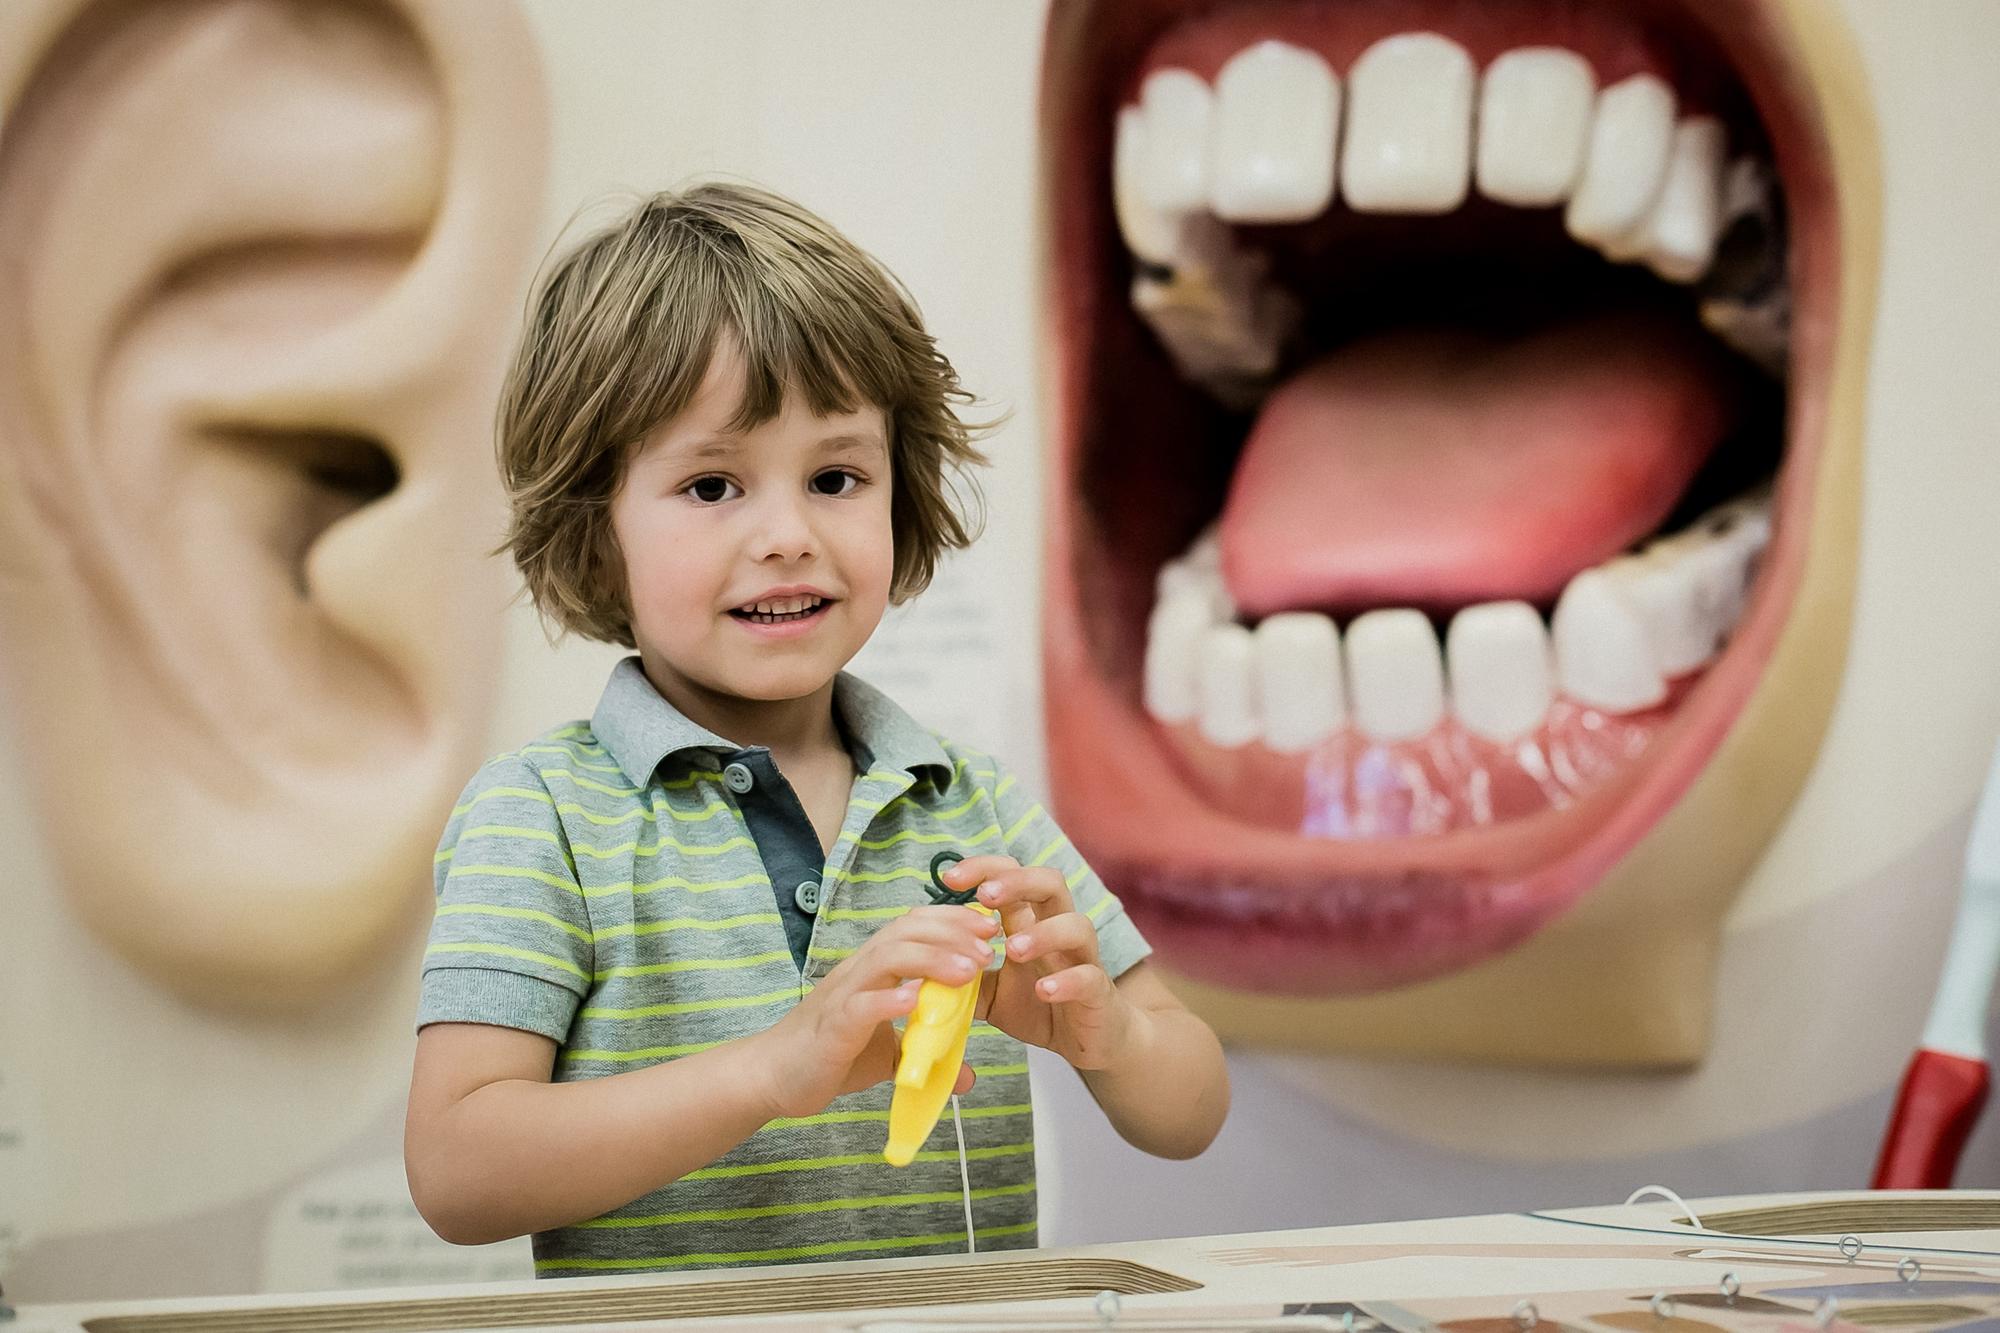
(1745, 298)
(1217, 313)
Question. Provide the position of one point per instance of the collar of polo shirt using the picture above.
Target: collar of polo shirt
(641, 729)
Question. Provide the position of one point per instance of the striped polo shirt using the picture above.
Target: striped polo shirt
(607, 886)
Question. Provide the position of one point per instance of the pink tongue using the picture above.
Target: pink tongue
(1440, 468)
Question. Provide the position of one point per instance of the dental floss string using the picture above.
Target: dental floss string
(1670, 1197)
(964, 1176)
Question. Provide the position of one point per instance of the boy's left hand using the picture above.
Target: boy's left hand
(1052, 991)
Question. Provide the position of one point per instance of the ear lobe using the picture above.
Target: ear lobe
(263, 261)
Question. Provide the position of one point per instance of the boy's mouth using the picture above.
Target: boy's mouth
(782, 610)
(1433, 454)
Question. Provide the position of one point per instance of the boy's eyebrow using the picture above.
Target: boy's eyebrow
(728, 446)
(835, 443)
(720, 446)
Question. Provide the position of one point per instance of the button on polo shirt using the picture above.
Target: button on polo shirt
(786, 838)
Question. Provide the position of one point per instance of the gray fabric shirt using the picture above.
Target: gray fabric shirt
(630, 887)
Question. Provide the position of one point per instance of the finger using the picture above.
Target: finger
(965, 930)
(897, 960)
(966, 1078)
(861, 1015)
(938, 923)
(1040, 887)
(1057, 941)
(975, 870)
(1086, 984)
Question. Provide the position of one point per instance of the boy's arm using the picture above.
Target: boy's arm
(1170, 1093)
(493, 1149)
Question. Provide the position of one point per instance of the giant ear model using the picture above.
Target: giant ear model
(261, 261)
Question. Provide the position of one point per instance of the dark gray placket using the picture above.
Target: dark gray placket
(785, 838)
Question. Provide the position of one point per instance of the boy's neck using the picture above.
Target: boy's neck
(792, 729)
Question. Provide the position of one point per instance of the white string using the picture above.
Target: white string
(964, 1176)
(1668, 1195)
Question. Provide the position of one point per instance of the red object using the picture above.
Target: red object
(1939, 1103)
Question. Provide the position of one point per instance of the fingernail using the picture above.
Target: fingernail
(1021, 943)
(990, 894)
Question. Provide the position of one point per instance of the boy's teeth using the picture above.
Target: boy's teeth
(1502, 676)
(1631, 134)
(1273, 135)
(1534, 124)
(1395, 673)
(1604, 657)
(1226, 679)
(1299, 679)
(1409, 126)
(785, 606)
(1678, 239)
(1175, 175)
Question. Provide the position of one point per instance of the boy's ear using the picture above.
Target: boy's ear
(263, 264)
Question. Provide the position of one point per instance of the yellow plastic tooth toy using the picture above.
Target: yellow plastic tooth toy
(933, 1044)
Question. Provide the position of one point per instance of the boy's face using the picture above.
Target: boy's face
(792, 512)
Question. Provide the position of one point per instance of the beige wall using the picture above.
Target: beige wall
(228, 1151)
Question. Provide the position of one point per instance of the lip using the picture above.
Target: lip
(1248, 907)
(788, 590)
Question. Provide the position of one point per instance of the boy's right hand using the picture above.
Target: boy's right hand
(838, 1039)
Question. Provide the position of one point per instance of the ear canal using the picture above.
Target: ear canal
(261, 264)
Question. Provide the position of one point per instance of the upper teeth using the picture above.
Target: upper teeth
(1639, 181)
(1619, 633)
(784, 605)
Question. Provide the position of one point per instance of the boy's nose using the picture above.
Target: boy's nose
(783, 529)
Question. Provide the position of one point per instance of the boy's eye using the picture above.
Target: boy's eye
(709, 490)
(830, 482)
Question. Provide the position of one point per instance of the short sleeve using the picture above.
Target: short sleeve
(511, 942)
(1033, 838)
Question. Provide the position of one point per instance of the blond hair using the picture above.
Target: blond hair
(619, 338)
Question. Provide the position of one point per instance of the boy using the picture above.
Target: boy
(656, 1017)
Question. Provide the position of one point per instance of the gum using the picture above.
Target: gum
(1349, 787)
